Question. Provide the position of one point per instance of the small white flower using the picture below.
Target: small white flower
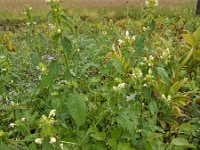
(131, 97)
(146, 3)
(30, 8)
(145, 85)
(115, 88)
(120, 42)
(23, 119)
(163, 96)
(12, 125)
(169, 98)
(113, 47)
(150, 71)
(134, 38)
(59, 31)
(28, 23)
(38, 141)
(12, 103)
(52, 140)
(52, 113)
(61, 146)
(25, 13)
(121, 85)
(51, 26)
(144, 29)
(151, 57)
(127, 34)
(156, 2)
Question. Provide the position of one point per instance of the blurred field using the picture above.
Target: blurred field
(40, 4)
(13, 9)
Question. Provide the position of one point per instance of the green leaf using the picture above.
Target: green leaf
(48, 79)
(96, 134)
(76, 105)
(176, 87)
(35, 58)
(139, 44)
(5, 147)
(166, 42)
(153, 108)
(183, 61)
(124, 146)
(67, 46)
(196, 35)
(32, 147)
(112, 143)
(163, 75)
(182, 142)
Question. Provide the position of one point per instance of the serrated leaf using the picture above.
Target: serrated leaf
(67, 46)
(153, 108)
(182, 142)
(76, 105)
(35, 58)
(96, 134)
(3, 146)
(48, 79)
(139, 44)
(124, 146)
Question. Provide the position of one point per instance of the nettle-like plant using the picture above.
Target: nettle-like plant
(129, 90)
(149, 14)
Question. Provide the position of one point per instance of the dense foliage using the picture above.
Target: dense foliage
(126, 84)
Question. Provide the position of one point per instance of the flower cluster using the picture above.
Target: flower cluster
(48, 1)
(166, 55)
(42, 67)
(151, 2)
(149, 77)
(137, 73)
(120, 86)
(149, 62)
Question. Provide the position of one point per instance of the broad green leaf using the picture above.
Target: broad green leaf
(48, 79)
(186, 128)
(76, 105)
(96, 134)
(112, 143)
(139, 44)
(116, 132)
(153, 108)
(33, 146)
(196, 35)
(185, 59)
(35, 58)
(124, 146)
(3, 146)
(67, 46)
(163, 75)
(182, 142)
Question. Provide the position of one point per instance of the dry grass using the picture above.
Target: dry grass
(13, 9)
(40, 4)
